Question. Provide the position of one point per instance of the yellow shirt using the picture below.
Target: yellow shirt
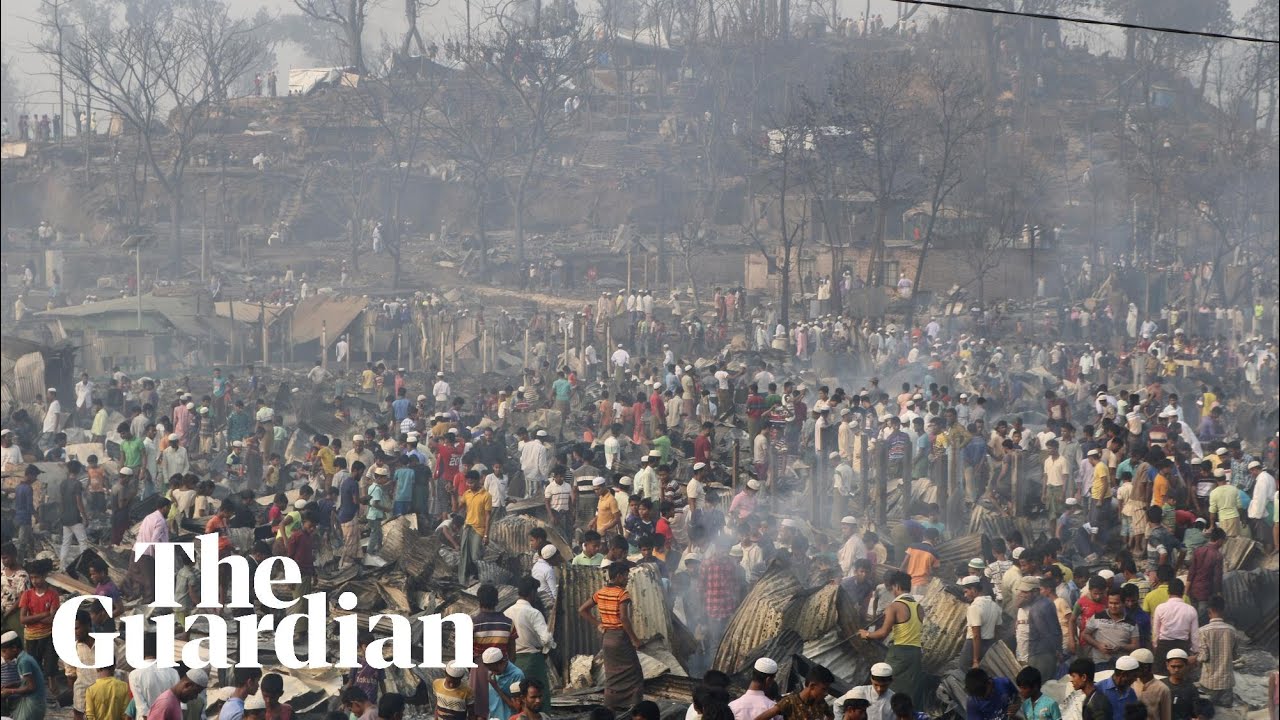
(606, 511)
(1156, 598)
(326, 460)
(106, 699)
(367, 379)
(1101, 482)
(479, 505)
(1159, 489)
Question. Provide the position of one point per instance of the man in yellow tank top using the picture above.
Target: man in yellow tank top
(903, 625)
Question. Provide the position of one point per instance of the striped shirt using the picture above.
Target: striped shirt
(609, 600)
(452, 703)
(492, 629)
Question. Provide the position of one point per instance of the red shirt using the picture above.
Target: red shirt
(37, 604)
(663, 528)
(217, 525)
(444, 458)
(1089, 608)
(166, 707)
(702, 449)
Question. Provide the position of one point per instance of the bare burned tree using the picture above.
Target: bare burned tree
(953, 122)
(399, 107)
(228, 46)
(868, 96)
(348, 19)
(538, 74)
(148, 70)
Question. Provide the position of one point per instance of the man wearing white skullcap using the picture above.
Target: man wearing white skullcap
(876, 693)
(1118, 688)
(173, 460)
(754, 701)
(502, 673)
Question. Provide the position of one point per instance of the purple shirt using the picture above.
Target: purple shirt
(166, 707)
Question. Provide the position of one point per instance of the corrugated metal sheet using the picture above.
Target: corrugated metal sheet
(511, 534)
(836, 653)
(960, 550)
(577, 584)
(649, 615)
(1240, 553)
(944, 623)
(28, 378)
(1000, 661)
(1253, 603)
(335, 314)
(761, 616)
(995, 524)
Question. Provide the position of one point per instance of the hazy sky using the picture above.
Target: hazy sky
(18, 32)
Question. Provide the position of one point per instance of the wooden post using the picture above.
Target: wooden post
(737, 445)
(1014, 479)
(324, 344)
(882, 488)
(484, 350)
(368, 341)
(231, 349)
(442, 331)
(628, 268)
(526, 350)
(262, 320)
(453, 346)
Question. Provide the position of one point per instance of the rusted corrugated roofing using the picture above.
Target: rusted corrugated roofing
(330, 313)
(761, 616)
(649, 615)
(944, 624)
(960, 550)
(1240, 553)
(994, 524)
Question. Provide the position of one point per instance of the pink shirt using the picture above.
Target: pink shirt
(1176, 620)
(153, 529)
(166, 707)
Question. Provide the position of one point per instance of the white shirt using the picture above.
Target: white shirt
(533, 459)
(722, 383)
(10, 457)
(646, 483)
(340, 350)
(440, 390)
(52, 421)
(84, 394)
(1263, 488)
(694, 489)
(852, 551)
(984, 613)
(610, 451)
(497, 489)
(546, 577)
(620, 358)
(148, 683)
(750, 705)
(532, 633)
(173, 461)
(760, 449)
(879, 709)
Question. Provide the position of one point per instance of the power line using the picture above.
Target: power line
(1090, 21)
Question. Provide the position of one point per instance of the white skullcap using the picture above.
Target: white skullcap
(1220, 451)
(1106, 574)
(597, 482)
(548, 551)
(491, 655)
(1176, 654)
(453, 671)
(8, 637)
(126, 470)
(834, 456)
(1126, 664)
(381, 470)
(357, 438)
(848, 520)
(174, 436)
(1017, 552)
(542, 433)
(753, 484)
(1143, 656)
(199, 677)
(1072, 501)
(421, 398)
(191, 406)
(698, 466)
(300, 503)
(515, 687)
(977, 564)
(765, 665)
(968, 580)
(791, 523)
(1253, 464)
(882, 670)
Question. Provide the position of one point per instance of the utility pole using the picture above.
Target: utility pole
(62, 107)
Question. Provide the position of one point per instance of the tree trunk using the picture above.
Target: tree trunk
(518, 207)
(354, 28)
(175, 230)
(482, 234)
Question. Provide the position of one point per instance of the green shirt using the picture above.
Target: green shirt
(132, 452)
(662, 444)
(594, 560)
(376, 496)
(562, 388)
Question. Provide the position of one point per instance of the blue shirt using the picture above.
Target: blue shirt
(1142, 619)
(24, 507)
(563, 389)
(497, 708)
(1043, 708)
(404, 485)
(995, 706)
(30, 667)
(348, 499)
(1046, 633)
(401, 408)
(1118, 699)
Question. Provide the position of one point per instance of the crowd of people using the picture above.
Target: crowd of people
(1128, 493)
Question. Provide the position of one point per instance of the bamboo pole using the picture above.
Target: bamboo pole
(324, 345)
(526, 349)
